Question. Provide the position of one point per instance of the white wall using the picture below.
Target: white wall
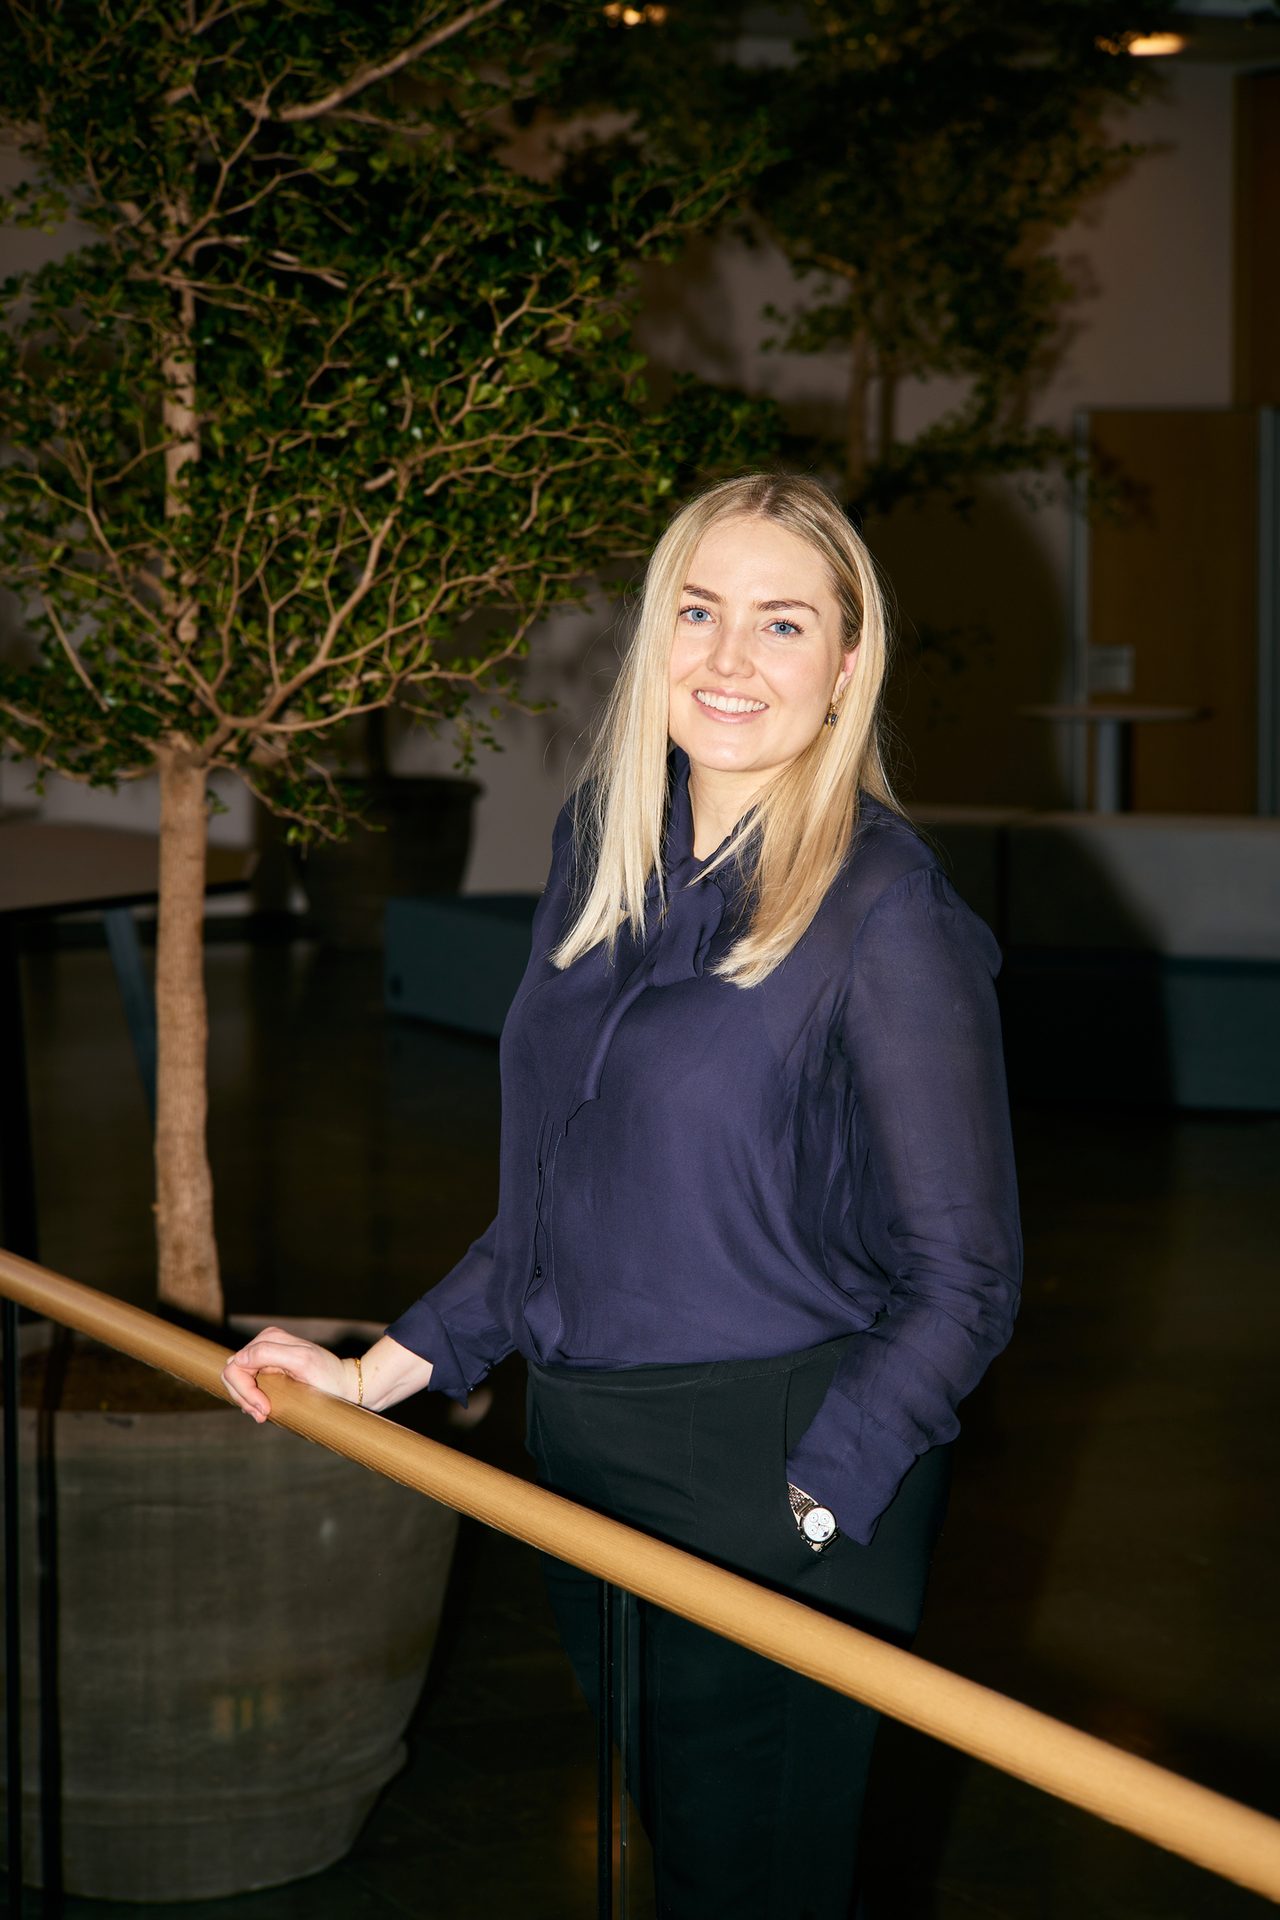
(1153, 328)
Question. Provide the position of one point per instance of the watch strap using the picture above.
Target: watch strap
(802, 1504)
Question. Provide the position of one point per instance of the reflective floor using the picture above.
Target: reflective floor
(1110, 1554)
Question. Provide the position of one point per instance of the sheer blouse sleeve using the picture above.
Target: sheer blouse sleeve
(932, 1196)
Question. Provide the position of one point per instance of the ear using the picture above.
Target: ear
(848, 662)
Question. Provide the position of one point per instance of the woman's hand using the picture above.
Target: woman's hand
(275, 1351)
(390, 1371)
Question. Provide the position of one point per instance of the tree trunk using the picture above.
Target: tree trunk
(187, 1251)
(856, 450)
(185, 1245)
(886, 408)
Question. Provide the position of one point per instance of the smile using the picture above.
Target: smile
(730, 703)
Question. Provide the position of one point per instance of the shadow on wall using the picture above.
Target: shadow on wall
(983, 614)
(984, 631)
(1083, 992)
(1082, 989)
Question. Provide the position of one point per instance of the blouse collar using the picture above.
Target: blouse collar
(680, 863)
(677, 939)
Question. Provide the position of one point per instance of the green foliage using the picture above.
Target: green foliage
(923, 154)
(341, 399)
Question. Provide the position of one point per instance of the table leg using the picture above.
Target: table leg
(604, 1753)
(1112, 766)
(12, 1614)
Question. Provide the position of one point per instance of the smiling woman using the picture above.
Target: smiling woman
(791, 630)
(758, 662)
(758, 1233)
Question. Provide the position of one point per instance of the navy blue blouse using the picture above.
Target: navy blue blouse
(695, 1171)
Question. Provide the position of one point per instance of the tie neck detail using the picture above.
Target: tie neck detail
(677, 941)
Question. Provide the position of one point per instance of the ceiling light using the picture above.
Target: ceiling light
(1146, 46)
(625, 15)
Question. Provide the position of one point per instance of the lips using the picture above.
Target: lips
(731, 706)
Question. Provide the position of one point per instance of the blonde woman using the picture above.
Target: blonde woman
(758, 1231)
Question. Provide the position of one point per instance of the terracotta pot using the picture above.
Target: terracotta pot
(244, 1626)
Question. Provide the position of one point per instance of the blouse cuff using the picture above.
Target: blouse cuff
(855, 1468)
(421, 1329)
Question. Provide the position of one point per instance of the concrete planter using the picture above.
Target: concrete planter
(244, 1627)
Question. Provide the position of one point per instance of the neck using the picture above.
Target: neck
(718, 801)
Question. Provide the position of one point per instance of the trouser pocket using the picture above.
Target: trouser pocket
(741, 1427)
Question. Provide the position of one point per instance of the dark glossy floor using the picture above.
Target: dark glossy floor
(1110, 1554)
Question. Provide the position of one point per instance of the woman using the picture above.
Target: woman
(758, 1227)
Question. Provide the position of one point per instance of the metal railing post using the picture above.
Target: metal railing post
(626, 1708)
(47, 1624)
(12, 1614)
(604, 1758)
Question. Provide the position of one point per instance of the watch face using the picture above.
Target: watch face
(818, 1525)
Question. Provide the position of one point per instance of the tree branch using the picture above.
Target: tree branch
(370, 76)
(82, 672)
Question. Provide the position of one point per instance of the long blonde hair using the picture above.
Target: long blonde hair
(791, 844)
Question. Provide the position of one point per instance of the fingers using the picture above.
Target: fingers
(275, 1351)
(279, 1337)
(262, 1355)
(243, 1388)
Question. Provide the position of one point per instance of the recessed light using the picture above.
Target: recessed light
(1149, 46)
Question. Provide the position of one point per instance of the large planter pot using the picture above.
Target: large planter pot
(244, 1626)
(421, 847)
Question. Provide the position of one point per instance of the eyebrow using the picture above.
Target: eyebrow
(763, 606)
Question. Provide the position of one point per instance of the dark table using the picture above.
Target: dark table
(47, 870)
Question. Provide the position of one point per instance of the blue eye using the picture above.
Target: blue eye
(790, 625)
(688, 612)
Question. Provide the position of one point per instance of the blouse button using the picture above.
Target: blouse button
(537, 1273)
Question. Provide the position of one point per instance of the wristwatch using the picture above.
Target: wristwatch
(817, 1523)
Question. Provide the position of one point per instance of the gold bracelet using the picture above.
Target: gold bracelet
(359, 1383)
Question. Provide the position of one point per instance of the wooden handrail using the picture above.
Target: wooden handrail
(1229, 1839)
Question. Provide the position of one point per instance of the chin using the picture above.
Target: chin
(726, 759)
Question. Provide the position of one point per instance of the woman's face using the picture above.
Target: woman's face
(757, 653)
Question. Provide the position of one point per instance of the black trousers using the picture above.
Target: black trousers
(749, 1778)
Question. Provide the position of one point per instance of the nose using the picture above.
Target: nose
(731, 653)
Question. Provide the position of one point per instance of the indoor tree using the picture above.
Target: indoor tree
(923, 156)
(337, 401)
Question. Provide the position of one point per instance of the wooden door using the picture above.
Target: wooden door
(1175, 579)
(1256, 271)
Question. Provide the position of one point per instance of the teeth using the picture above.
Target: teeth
(724, 703)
